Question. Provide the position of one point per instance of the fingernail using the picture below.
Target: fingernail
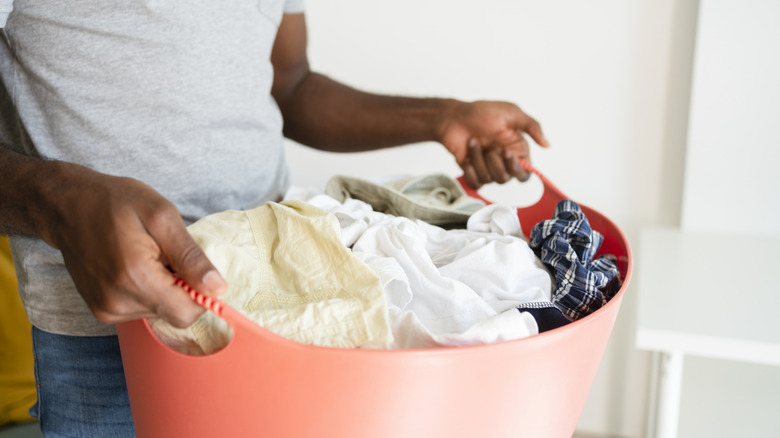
(214, 282)
(473, 143)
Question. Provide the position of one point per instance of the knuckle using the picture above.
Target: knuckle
(108, 310)
(120, 293)
(191, 256)
(125, 278)
(162, 213)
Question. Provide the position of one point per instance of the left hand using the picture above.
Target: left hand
(487, 139)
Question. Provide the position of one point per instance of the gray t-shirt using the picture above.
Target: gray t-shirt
(175, 93)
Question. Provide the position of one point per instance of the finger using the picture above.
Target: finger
(167, 300)
(511, 161)
(114, 311)
(183, 254)
(529, 125)
(534, 129)
(521, 149)
(175, 305)
(145, 289)
(478, 162)
(471, 176)
(160, 296)
(497, 165)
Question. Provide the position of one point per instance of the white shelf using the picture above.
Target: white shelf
(709, 294)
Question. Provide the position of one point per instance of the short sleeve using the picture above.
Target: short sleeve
(291, 6)
(6, 6)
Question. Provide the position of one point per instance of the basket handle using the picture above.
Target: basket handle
(209, 303)
(532, 214)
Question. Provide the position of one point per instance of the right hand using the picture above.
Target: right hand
(120, 240)
(487, 139)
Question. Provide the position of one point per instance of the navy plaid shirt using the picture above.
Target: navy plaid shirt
(566, 244)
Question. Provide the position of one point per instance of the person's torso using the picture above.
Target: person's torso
(173, 93)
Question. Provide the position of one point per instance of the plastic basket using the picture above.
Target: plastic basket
(264, 385)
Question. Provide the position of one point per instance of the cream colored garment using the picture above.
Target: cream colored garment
(287, 270)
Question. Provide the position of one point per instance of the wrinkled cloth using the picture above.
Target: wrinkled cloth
(287, 270)
(435, 198)
(567, 245)
(447, 287)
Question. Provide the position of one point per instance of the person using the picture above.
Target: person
(122, 122)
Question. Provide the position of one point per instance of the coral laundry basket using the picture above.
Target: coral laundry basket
(266, 386)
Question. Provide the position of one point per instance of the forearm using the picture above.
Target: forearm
(328, 115)
(35, 192)
(26, 190)
(119, 238)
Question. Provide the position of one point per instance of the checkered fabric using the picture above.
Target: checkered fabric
(567, 245)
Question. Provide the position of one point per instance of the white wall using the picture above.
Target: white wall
(731, 185)
(608, 80)
(733, 148)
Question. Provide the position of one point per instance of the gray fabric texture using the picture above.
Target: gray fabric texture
(6, 6)
(174, 93)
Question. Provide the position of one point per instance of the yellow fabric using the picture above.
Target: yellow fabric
(288, 271)
(17, 381)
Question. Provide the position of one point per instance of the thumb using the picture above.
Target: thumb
(190, 263)
(529, 125)
(535, 131)
(187, 259)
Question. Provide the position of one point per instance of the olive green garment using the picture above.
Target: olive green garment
(437, 198)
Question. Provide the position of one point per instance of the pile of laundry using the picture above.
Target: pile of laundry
(413, 263)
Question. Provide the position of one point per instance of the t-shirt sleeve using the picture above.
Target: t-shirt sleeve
(6, 6)
(290, 6)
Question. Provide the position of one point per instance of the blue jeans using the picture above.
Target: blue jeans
(81, 386)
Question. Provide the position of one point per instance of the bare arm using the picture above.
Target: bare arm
(486, 138)
(118, 237)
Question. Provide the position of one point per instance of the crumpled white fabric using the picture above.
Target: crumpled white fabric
(446, 287)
